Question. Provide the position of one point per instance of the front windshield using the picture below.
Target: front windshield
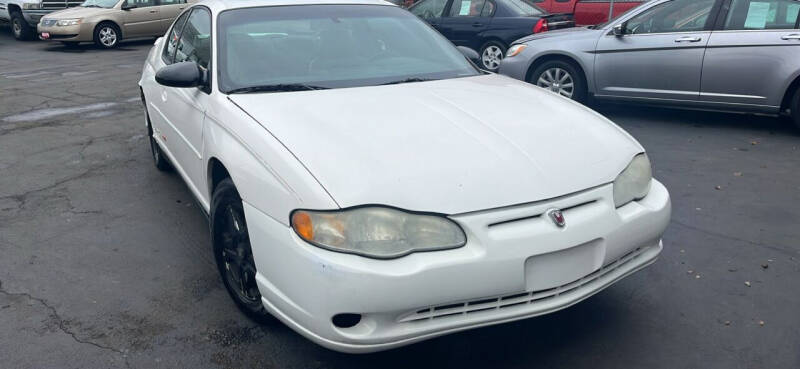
(331, 46)
(99, 3)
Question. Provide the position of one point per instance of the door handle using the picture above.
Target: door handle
(477, 24)
(688, 39)
(794, 36)
(153, 11)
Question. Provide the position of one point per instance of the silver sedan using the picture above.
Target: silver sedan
(733, 55)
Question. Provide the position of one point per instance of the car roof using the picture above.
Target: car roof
(220, 5)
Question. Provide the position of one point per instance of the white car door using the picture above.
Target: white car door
(181, 110)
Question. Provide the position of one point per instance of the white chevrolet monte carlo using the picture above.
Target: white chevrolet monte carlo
(367, 185)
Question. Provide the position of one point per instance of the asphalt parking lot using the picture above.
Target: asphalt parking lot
(105, 262)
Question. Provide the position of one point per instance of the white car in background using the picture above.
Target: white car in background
(367, 185)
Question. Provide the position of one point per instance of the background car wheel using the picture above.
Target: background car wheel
(106, 35)
(796, 109)
(491, 55)
(159, 159)
(561, 77)
(20, 28)
(232, 251)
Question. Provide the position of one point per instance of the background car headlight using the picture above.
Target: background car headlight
(634, 182)
(378, 232)
(68, 22)
(31, 5)
(515, 50)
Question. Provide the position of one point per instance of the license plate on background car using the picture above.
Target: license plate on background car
(45, 35)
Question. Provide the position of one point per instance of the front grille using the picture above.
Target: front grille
(59, 4)
(514, 300)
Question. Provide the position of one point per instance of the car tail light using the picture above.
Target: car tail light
(541, 26)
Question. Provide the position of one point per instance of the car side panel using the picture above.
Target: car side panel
(731, 56)
(266, 173)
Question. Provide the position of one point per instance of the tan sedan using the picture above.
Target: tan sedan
(107, 22)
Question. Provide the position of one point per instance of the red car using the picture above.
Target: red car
(589, 12)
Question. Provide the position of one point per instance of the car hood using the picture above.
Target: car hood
(571, 33)
(449, 146)
(79, 12)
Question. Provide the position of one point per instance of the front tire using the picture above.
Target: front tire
(492, 53)
(107, 35)
(232, 251)
(20, 28)
(560, 77)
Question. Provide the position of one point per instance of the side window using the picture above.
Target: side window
(673, 16)
(429, 9)
(488, 9)
(762, 14)
(172, 39)
(468, 8)
(141, 3)
(195, 40)
(171, 2)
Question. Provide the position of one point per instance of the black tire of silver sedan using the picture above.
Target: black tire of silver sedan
(560, 77)
(107, 35)
(796, 108)
(20, 28)
(233, 253)
(492, 53)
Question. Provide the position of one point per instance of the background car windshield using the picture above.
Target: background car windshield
(100, 3)
(524, 8)
(331, 46)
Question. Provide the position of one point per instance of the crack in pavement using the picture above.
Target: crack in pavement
(62, 323)
(780, 248)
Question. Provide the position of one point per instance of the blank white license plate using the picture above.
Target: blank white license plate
(558, 268)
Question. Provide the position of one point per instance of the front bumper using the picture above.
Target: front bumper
(516, 264)
(83, 32)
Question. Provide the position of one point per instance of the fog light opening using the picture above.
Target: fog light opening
(346, 320)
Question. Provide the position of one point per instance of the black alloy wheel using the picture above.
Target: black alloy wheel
(233, 253)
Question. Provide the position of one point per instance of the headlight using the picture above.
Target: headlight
(634, 182)
(68, 22)
(31, 5)
(515, 50)
(378, 232)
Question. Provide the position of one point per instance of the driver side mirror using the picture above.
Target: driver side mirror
(472, 55)
(183, 75)
(619, 30)
(128, 6)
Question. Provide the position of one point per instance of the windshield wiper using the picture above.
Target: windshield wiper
(91, 6)
(283, 87)
(407, 80)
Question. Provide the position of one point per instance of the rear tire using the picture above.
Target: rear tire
(107, 35)
(20, 28)
(233, 253)
(560, 77)
(159, 159)
(492, 53)
(795, 107)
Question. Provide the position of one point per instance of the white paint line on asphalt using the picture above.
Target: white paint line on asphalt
(40, 114)
(97, 110)
(25, 75)
(76, 74)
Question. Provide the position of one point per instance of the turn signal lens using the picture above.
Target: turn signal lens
(301, 222)
(377, 231)
(515, 50)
